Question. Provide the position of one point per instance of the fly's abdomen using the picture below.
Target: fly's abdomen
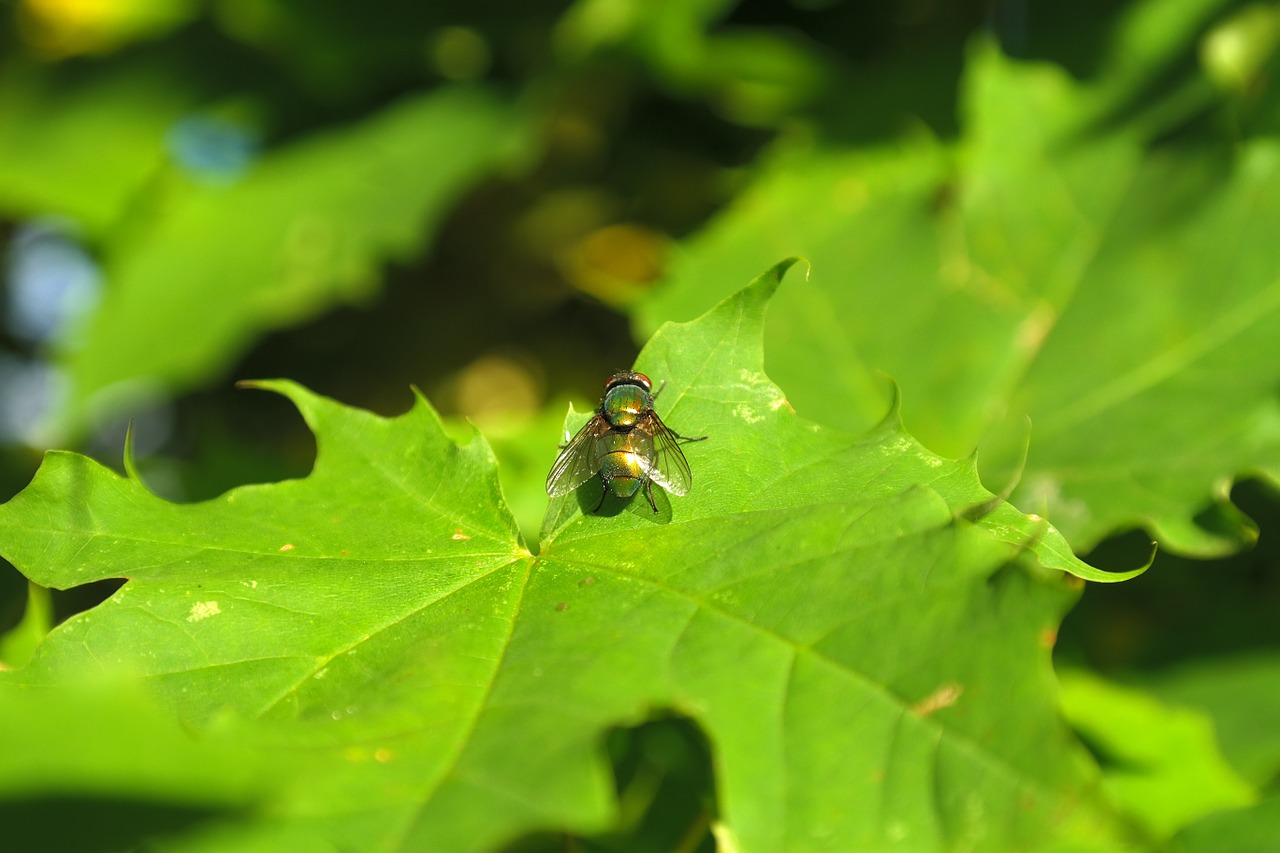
(625, 461)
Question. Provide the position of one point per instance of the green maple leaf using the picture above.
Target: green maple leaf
(1050, 265)
(860, 629)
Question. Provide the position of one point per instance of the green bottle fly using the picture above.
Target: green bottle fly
(626, 444)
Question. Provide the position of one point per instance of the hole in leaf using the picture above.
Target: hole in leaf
(91, 824)
(1181, 609)
(224, 438)
(13, 596)
(69, 602)
(665, 789)
(1224, 520)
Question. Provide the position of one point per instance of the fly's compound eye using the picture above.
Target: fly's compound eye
(629, 377)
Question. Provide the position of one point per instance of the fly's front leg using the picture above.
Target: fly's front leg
(678, 436)
(648, 493)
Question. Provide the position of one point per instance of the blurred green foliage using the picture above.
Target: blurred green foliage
(1015, 209)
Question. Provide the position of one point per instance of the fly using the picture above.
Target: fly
(626, 444)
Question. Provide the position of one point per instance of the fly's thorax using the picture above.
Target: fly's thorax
(624, 404)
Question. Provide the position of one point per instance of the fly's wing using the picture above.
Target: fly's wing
(577, 463)
(669, 469)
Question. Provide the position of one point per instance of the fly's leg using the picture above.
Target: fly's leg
(648, 493)
(603, 493)
(678, 436)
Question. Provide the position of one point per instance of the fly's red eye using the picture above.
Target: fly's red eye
(629, 377)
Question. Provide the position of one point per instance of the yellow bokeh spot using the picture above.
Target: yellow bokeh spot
(1234, 52)
(459, 53)
(616, 263)
(61, 28)
(495, 387)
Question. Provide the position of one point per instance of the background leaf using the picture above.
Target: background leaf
(1160, 763)
(47, 122)
(1236, 692)
(98, 749)
(18, 644)
(306, 227)
(1239, 831)
(1124, 305)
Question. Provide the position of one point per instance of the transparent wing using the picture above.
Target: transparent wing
(670, 469)
(577, 463)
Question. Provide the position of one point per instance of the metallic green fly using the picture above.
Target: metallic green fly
(626, 443)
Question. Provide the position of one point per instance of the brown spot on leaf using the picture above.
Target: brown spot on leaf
(944, 697)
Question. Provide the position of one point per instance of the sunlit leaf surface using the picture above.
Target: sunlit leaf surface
(1051, 272)
(860, 630)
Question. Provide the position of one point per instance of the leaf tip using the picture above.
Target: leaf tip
(306, 401)
(284, 387)
(258, 384)
(131, 470)
(892, 418)
(1103, 576)
(130, 461)
(767, 282)
(1015, 476)
(422, 408)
